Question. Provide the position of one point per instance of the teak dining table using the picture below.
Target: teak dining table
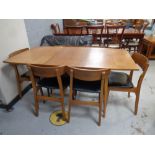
(85, 57)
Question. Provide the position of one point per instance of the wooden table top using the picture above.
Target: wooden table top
(87, 57)
(151, 39)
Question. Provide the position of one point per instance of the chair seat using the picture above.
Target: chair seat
(107, 40)
(120, 79)
(113, 46)
(53, 82)
(87, 86)
(133, 43)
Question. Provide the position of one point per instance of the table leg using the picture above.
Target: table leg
(149, 50)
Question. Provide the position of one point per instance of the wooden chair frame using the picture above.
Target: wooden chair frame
(76, 30)
(142, 61)
(47, 72)
(89, 75)
(117, 36)
(93, 29)
(19, 78)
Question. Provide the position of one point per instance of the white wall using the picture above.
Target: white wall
(13, 36)
(38, 28)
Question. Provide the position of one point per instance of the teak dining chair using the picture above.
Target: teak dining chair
(48, 77)
(119, 81)
(92, 81)
(96, 31)
(20, 77)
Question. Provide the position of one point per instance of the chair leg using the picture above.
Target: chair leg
(52, 91)
(108, 94)
(136, 103)
(129, 49)
(42, 94)
(36, 107)
(19, 87)
(63, 110)
(100, 109)
(74, 94)
(105, 104)
(134, 49)
(69, 111)
(48, 92)
(128, 94)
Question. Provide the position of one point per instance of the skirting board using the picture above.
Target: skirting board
(15, 100)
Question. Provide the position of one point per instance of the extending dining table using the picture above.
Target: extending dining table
(84, 57)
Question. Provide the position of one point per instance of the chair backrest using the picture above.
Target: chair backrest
(74, 30)
(89, 74)
(94, 29)
(143, 62)
(138, 24)
(46, 71)
(58, 27)
(55, 28)
(115, 33)
(17, 52)
(38, 71)
(145, 26)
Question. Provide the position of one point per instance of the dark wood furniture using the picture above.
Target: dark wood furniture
(128, 33)
(92, 81)
(149, 42)
(119, 81)
(74, 22)
(114, 36)
(74, 30)
(20, 77)
(51, 78)
(93, 30)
